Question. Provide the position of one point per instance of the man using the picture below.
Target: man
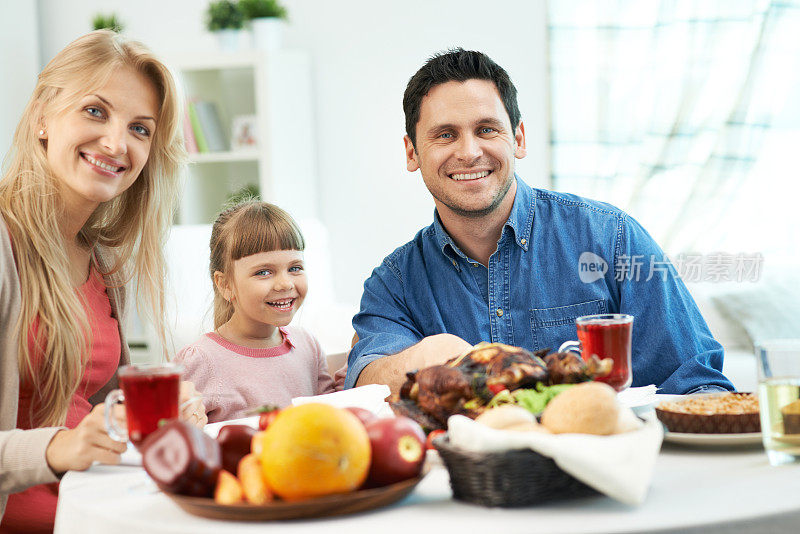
(507, 263)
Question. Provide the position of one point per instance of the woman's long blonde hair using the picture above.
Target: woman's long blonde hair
(132, 226)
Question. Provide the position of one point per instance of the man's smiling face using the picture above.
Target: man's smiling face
(465, 147)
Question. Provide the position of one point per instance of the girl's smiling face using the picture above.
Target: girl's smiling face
(97, 147)
(265, 288)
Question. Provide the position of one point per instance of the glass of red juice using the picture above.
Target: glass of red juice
(150, 394)
(607, 336)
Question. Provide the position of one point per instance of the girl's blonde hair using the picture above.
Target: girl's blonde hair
(132, 226)
(244, 229)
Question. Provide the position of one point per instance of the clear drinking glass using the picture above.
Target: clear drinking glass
(150, 393)
(607, 335)
(779, 399)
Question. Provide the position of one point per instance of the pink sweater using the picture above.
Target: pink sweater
(236, 379)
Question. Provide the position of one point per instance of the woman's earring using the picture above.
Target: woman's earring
(41, 132)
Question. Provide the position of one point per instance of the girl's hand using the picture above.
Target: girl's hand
(77, 449)
(192, 408)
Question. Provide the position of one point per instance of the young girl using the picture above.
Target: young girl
(85, 203)
(253, 357)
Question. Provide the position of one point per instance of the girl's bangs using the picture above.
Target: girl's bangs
(263, 228)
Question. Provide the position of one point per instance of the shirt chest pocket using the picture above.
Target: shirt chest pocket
(550, 327)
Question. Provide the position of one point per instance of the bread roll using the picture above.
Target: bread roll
(588, 408)
(504, 416)
(528, 427)
(627, 421)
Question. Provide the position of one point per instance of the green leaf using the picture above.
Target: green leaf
(224, 15)
(266, 408)
(107, 22)
(258, 9)
(533, 400)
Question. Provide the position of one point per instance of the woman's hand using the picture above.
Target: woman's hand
(192, 408)
(77, 449)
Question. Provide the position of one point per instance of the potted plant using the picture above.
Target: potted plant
(266, 20)
(107, 22)
(224, 19)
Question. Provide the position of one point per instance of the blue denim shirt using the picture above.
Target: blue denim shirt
(560, 256)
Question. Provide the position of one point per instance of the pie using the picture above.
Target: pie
(713, 413)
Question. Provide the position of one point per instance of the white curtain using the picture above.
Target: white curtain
(684, 113)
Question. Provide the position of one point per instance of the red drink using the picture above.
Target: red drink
(150, 396)
(608, 336)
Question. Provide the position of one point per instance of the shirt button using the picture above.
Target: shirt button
(499, 312)
(523, 241)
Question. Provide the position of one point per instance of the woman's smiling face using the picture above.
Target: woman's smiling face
(97, 147)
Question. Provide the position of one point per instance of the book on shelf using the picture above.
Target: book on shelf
(211, 125)
(188, 133)
(200, 138)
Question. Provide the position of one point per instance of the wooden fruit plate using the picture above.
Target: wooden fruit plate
(331, 505)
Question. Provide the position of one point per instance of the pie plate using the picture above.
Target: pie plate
(713, 440)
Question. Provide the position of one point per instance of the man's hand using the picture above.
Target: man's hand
(432, 350)
(192, 408)
(77, 449)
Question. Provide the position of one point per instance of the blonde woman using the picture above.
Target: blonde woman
(85, 203)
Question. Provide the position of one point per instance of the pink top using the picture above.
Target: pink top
(236, 379)
(34, 510)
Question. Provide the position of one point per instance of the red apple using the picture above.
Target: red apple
(432, 436)
(398, 450)
(364, 415)
(235, 441)
(266, 418)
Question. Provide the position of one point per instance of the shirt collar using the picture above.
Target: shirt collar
(519, 222)
(286, 338)
(443, 239)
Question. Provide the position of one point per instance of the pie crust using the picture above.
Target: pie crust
(714, 413)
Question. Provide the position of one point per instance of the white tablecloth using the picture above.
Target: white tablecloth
(732, 490)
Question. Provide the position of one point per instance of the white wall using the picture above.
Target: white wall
(363, 53)
(19, 64)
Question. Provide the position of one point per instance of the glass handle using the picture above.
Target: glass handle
(570, 346)
(188, 401)
(114, 430)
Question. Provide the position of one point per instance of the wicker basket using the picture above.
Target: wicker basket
(508, 479)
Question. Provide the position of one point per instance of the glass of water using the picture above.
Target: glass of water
(779, 399)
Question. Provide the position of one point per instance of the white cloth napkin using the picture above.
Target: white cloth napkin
(620, 466)
(371, 397)
(131, 456)
(638, 397)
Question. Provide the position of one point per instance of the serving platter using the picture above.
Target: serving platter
(331, 505)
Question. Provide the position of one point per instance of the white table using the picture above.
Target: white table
(733, 490)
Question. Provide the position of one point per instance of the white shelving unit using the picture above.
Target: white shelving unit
(275, 87)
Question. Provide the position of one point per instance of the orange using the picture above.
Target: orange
(313, 450)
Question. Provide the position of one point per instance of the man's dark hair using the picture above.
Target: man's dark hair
(457, 65)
